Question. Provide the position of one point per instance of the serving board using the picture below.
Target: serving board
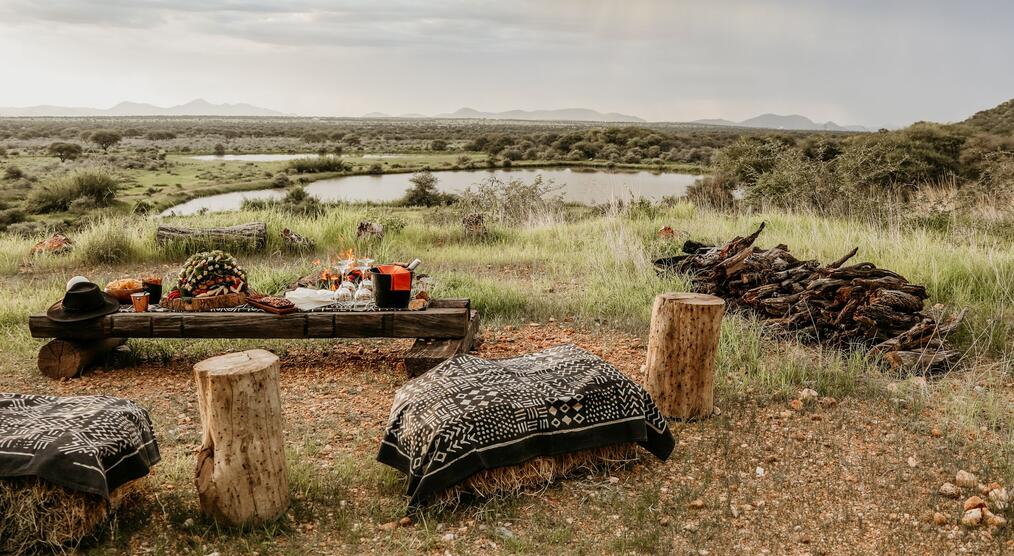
(202, 304)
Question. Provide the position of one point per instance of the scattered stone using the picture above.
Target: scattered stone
(665, 232)
(504, 533)
(785, 414)
(974, 502)
(828, 401)
(964, 479)
(759, 472)
(912, 462)
(808, 394)
(188, 523)
(54, 245)
(734, 510)
(448, 537)
(1000, 498)
(664, 520)
(950, 490)
(940, 519)
(992, 519)
(936, 433)
(697, 504)
(972, 517)
(389, 526)
(796, 405)
(613, 480)
(405, 522)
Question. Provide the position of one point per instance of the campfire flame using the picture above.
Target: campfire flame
(330, 277)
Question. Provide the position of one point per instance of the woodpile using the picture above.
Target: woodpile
(253, 234)
(370, 230)
(834, 303)
(295, 241)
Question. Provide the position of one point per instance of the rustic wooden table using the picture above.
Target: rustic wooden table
(446, 327)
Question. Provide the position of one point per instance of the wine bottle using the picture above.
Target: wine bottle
(413, 264)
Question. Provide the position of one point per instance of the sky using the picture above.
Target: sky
(862, 62)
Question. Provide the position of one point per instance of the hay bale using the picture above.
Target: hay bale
(538, 473)
(36, 514)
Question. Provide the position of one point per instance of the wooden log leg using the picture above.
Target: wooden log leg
(427, 353)
(66, 358)
(241, 473)
(682, 346)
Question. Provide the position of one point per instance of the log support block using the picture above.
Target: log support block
(427, 353)
(241, 474)
(682, 346)
(67, 358)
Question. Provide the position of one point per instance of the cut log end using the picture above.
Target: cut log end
(67, 358)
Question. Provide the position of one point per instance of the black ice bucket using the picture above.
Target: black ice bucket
(384, 296)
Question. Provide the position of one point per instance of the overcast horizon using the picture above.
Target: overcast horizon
(864, 63)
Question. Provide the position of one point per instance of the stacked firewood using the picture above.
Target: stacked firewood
(835, 304)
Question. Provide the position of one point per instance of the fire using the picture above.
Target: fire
(330, 277)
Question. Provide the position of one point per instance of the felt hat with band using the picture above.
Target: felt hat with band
(83, 301)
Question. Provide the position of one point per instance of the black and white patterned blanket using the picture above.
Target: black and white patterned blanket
(90, 444)
(470, 414)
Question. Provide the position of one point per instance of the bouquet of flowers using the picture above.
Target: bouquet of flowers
(208, 274)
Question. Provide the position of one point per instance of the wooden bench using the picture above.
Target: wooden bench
(445, 328)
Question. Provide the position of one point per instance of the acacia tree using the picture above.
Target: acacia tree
(65, 151)
(105, 138)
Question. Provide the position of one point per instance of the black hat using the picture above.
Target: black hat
(83, 301)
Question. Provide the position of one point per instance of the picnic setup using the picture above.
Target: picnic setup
(461, 427)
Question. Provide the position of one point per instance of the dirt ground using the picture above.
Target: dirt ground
(849, 476)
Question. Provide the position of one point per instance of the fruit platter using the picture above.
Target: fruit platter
(208, 280)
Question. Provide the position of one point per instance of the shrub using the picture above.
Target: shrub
(219, 149)
(160, 135)
(376, 168)
(65, 151)
(711, 192)
(280, 180)
(114, 245)
(424, 192)
(12, 172)
(513, 202)
(98, 187)
(319, 164)
(438, 145)
(10, 216)
(3, 151)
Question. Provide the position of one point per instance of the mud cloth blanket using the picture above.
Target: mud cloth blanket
(90, 444)
(470, 414)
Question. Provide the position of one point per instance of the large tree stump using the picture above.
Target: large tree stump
(681, 353)
(67, 358)
(253, 234)
(241, 472)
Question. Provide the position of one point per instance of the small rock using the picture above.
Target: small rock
(807, 394)
(717, 411)
(974, 502)
(448, 537)
(734, 510)
(796, 405)
(389, 526)
(912, 462)
(964, 479)
(785, 414)
(212, 554)
(936, 433)
(188, 523)
(992, 519)
(759, 472)
(55, 244)
(828, 401)
(1000, 498)
(940, 519)
(504, 533)
(664, 520)
(405, 522)
(697, 504)
(746, 507)
(972, 518)
(949, 490)
(613, 480)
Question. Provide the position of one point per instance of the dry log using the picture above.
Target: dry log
(241, 474)
(253, 234)
(370, 230)
(67, 358)
(681, 353)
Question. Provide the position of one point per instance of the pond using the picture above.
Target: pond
(576, 185)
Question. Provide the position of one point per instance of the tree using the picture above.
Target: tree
(105, 138)
(438, 145)
(424, 191)
(219, 149)
(65, 151)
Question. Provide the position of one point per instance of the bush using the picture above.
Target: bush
(219, 149)
(319, 164)
(12, 172)
(424, 192)
(10, 216)
(281, 180)
(65, 151)
(105, 138)
(438, 145)
(98, 187)
(114, 245)
(160, 135)
(513, 202)
(713, 192)
(376, 168)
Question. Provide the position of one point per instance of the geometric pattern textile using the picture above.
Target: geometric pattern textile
(470, 414)
(89, 444)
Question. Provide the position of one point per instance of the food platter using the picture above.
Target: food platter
(203, 304)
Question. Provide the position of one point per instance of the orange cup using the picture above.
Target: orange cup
(140, 301)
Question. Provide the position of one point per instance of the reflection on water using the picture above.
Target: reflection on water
(577, 186)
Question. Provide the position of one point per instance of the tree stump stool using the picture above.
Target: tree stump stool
(241, 474)
(682, 346)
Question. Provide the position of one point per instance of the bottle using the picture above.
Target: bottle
(413, 264)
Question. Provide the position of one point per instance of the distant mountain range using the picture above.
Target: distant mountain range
(198, 107)
(778, 121)
(563, 114)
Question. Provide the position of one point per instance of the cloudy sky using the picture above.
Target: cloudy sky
(854, 62)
